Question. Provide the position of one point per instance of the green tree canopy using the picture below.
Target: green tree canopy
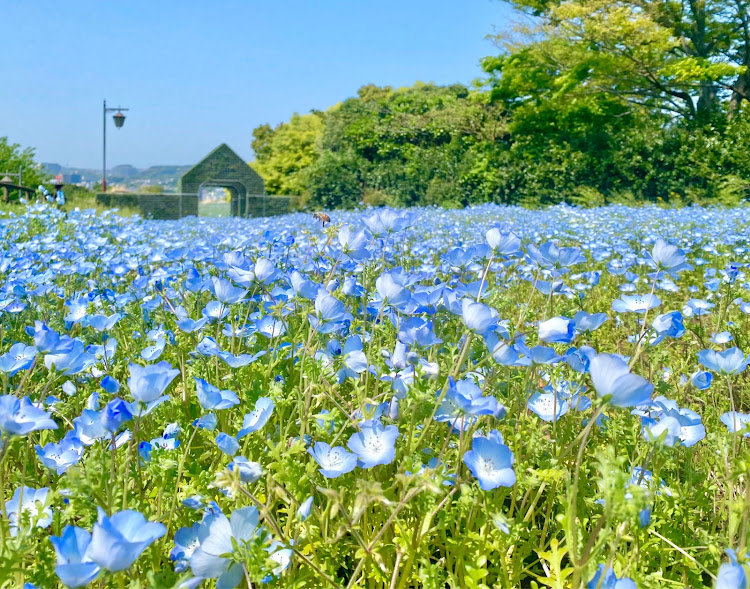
(12, 156)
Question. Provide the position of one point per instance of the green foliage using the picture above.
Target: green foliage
(12, 157)
(283, 154)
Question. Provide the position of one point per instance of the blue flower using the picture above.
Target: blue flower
(462, 402)
(697, 308)
(115, 414)
(74, 565)
(249, 471)
(225, 291)
(669, 325)
(701, 380)
(257, 418)
(490, 461)
(635, 303)
(731, 574)
(728, 362)
(586, 323)
(478, 317)
(61, 456)
(148, 383)
(391, 291)
(558, 330)
(186, 541)
(26, 502)
(330, 314)
(304, 509)
(209, 561)
(19, 417)
(605, 579)
(227, 444)
(505, 244)
(374, 444)
(669, 257)
(548, 406)
(19, 357)
(110, 385)
(737, 422)
(118, 541)
(612, 378)
(333, 462)
(211, 397)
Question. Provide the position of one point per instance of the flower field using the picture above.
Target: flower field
(491, 397)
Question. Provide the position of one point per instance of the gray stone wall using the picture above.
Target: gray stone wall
(153, 206)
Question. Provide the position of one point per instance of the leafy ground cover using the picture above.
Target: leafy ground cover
(491, 397)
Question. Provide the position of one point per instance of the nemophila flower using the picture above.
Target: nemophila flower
(210, 560)
(18, 417)
(28, 506)
(186, 541)
(151, 353)
(101, 322)
(586, 323)
(353, 243)
(241, 360)
(226, 292)
(211, 398)
(737, 422)
(490, 461)
(71, 361)
(249, 471)
(330, 314)
(19, 357)
(110, 385)
(115, 414)
(635, 303)
(478, 317)
(355, 361)
(731, 574)
(505, 244)
(227, 444)
(74, 565)
(257, 418)
(189, 325)
(669, 325)
(701, 380)
(391, 291)
(333, 462)
(548, 406)
(207, 422)
(723, 337)
(462, 402)
(697, 308)
(148, 383)
(61, 456)
(542, 355)
(118, 541)
(729, 362)
(605, 578)
(305, 508)
(664, 430)
(669, 257)
(613, 380)
(558, 330)
(549, 255)
(416, 331)
(374, 444)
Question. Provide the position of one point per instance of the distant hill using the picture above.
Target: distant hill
(125, 176)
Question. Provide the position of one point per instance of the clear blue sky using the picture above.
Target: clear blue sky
(197, 73)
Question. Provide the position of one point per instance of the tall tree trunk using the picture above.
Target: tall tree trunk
(740, 92)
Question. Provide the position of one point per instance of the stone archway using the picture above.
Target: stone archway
(225, 169)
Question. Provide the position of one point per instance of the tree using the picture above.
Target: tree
(283, 154)
(12, 157)
(688, 59)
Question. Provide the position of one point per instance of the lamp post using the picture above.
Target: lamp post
(119, 120)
